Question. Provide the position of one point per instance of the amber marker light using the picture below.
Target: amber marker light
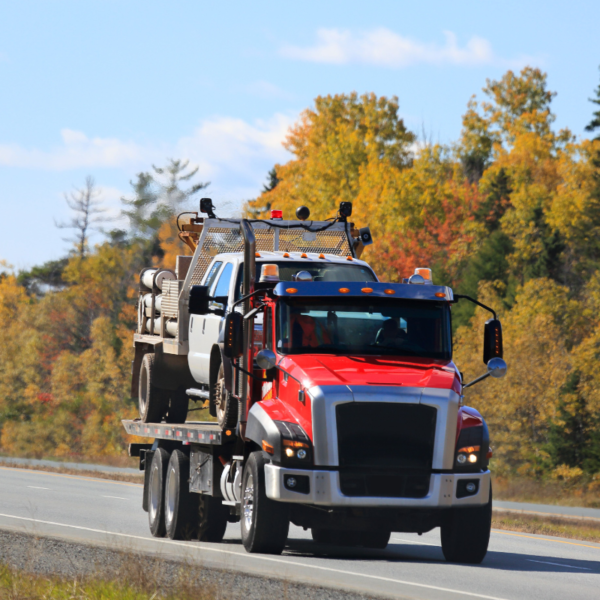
(257, 255)
(321, 256)
(343, 290)
(349, 258)
(286, 255)
(389, 292)
(267, 447)
(291, 290)
(440, 295)
(228, 432)
(366, 290)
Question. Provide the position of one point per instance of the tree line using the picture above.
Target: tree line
(509, 213)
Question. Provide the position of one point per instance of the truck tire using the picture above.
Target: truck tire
(177, 406)
(181, 506)
(227, 407)
(150, 398)
(156, 492)
(265, 523)
(378, 540)
(465, 533)
(212, 518)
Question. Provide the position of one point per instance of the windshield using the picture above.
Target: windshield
(376, 326)
(320, 272)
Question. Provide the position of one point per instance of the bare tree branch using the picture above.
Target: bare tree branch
(86, 209)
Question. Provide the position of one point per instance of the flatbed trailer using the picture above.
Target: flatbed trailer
(193, 432)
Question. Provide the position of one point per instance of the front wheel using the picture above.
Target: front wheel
(466, 533)
(265, 523)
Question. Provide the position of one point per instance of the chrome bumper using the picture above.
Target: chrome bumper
(324, 490)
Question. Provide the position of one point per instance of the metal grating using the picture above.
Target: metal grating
(170, 298)
(226, 237)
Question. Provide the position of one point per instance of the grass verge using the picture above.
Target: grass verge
(575, 529)
(125, 477)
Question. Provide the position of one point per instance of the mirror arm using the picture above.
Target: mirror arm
(466, 385)
(245, 298)
(457, 297)
(235, 366)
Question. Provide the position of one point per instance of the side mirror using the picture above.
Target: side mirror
(266, 359)
(198, 300)
(233, 340)
(497, 368)
(492, 341)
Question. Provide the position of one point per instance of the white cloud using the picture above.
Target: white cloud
(383, 47)
(76, 151)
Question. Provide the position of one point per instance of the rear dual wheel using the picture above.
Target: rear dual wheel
(367, 539)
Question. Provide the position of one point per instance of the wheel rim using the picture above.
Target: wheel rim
(143, 399)
(170, 503)
(221, 398)
(248, 507)
(154, 493)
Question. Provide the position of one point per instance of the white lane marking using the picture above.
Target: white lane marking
(35, 487)
(545, 562)
(116, 497)
(258, 557)
(396, 539)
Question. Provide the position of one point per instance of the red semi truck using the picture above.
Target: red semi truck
(340, 409)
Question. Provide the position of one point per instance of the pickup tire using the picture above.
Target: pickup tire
(265, 523)
(466, 533)
(212, 518)
(181, 506)
(150, 399)
(227, 407)
(156, 492)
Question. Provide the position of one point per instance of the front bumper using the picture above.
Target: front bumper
(324, 490)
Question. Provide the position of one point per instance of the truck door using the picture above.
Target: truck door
(204, 329)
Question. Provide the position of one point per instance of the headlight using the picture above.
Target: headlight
(292, 448)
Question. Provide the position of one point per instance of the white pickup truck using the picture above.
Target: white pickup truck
(178, 354)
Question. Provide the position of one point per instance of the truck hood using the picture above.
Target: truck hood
(314, 370)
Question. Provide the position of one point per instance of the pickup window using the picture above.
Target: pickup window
(319, 270)
(360, 326)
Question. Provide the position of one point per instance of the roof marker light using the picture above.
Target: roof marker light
(366, 290)
(440, 295)
(349, 258)
(257, 254)
(343, 290)
(389, 292)
(321, 256)
(269, 273)
(286, 255)
(291, 290)
(304, 255)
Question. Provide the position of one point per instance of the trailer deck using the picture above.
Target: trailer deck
(198, 432)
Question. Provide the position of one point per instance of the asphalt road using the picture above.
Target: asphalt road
(109, 513)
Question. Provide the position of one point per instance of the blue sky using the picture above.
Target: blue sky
(107, 88)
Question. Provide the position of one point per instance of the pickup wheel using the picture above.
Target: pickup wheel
(177, 406)
(181, 506)
(227, 407)
(156, 492)
(213, 517)
(466, 533)
(265, 523)
(150, 398)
